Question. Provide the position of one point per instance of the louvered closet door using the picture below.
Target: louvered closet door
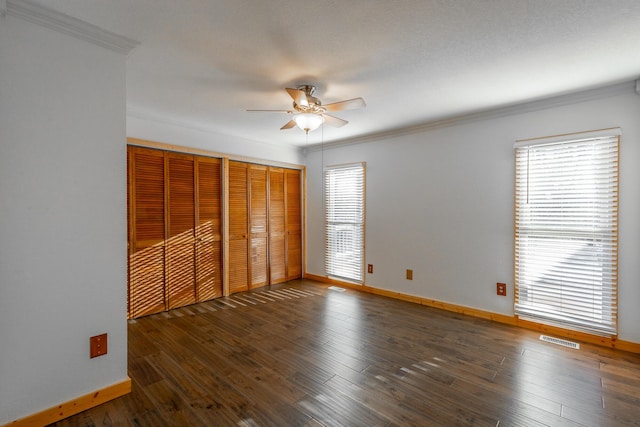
(293, 223)
(277, 241)
(129, 231)
(180, 244)
(238, 227)
(258, 221)
(208, 231)
(146, 232)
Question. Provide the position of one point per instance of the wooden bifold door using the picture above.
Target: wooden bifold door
(176, 231)
(265, 233)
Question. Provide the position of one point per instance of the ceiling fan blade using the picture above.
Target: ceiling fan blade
(299, 97)
(334, 121)
(270, 111)
(349, 104)
(288, 125)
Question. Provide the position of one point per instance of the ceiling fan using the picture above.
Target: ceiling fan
(308, 111)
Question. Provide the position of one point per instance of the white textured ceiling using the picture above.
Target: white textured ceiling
(201, 63)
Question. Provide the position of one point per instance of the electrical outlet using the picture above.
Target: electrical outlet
(370, 268)
(98, 345)
(409, 274)
(501, 289)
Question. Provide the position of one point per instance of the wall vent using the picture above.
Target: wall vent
(559, 341)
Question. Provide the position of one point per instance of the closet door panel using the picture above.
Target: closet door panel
(293, 223)
(180, 244)
(238, 266)
(209, 229)
(258, 262)
(146, 287)
(146, 232)
(258, 228)
(277, 242)
(208, 270)
(238, 227)
(129, 230)
(175, 228)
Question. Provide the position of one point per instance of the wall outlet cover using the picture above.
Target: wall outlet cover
(98, 345)
(501, 289)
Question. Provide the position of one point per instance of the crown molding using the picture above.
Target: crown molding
(68, 25)
(140, 114)
(494, 113)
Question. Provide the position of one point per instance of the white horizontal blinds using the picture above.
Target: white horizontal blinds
(566, 232)
(344, 189)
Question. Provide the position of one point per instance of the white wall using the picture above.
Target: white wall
(441, 203)
(170, 133)
(62, 217)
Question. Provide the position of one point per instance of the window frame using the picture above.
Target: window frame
(353, 221)
(558, 260)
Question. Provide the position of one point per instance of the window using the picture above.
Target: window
(344, 188)
(566, 231)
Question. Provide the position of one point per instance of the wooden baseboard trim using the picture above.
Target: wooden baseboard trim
(611, 342)
(72, 407)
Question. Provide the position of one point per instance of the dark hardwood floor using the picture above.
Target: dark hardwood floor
(300, 354)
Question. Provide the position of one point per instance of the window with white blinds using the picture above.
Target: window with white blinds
(566, 231)
(344, 192)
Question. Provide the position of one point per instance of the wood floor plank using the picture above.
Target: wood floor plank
(229, 406)
(279, 410)
(300, 354)
(437, 393)
(520, 409)
(380, 403)
(173, 407)
(333, 408)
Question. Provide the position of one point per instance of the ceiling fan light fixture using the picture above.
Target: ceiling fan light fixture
(308, 121)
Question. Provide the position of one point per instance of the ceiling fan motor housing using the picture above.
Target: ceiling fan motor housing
(310, 90)
(315, 105)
